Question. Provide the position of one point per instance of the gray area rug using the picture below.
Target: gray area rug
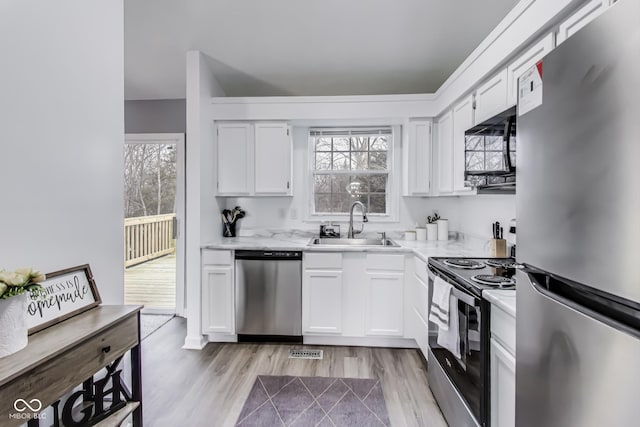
(314, 401)
(149, 323)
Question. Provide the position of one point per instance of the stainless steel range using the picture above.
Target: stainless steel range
(461, 384)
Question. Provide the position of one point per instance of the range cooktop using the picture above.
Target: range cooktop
(478, 274)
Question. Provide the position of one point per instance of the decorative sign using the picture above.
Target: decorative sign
(68, 292)
(530, 89)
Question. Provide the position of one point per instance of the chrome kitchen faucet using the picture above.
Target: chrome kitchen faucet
(351, 233)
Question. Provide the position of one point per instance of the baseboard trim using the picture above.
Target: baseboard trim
(360, 341)
(221, 338)
(194, 343)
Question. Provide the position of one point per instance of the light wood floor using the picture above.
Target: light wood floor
(152, 283)
(208, 387)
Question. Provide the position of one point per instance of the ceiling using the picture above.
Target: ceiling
(303, 47)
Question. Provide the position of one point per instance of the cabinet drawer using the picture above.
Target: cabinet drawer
(210, 257)
(421, 269)
(50, 380)
(385, 262)
(503, 328)
(324, 260)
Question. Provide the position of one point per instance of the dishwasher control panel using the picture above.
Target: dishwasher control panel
(266, 255)
(282, 254)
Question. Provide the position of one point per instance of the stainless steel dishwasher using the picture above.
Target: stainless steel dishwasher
(269, 295)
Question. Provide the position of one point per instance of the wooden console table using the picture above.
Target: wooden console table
(67, 355)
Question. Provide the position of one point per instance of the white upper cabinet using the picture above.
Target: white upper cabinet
(272, 158)
(524, 62)
(491, 97)
(235, 142)
(580, 18)
(254, 159)
(462, 121)
(417, 158)
(445, 153)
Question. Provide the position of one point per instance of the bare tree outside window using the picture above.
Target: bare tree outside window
(350, 165)
(149, 179)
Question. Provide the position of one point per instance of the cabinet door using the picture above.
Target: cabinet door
(580, 18)
(235, 162)
(491, 97)
(421, 298)
(445, 154)
(462, 121)
(217, 300)
(421, 334)
(503, 386)
(418, 158)
(322, 302)
(384, 304)
(524, 62)
(272, 158)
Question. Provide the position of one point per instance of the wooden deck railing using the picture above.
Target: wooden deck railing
(148, 237)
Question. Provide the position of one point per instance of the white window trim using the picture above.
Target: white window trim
(394, 182)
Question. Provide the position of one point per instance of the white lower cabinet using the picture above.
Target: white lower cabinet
(384, 307)
(503, 386)
(503, 368)
(322, 301)
(420, 306)
(353, 295)
(218, 299)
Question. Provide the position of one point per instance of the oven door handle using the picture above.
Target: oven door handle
(462, 296)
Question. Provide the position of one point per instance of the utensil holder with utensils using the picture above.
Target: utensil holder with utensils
(229, 221)
(228, 229)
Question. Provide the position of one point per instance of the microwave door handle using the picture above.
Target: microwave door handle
(507, 140)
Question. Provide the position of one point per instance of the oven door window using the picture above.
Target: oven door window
(465, 372)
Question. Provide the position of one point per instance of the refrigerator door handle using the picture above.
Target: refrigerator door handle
(614, 311)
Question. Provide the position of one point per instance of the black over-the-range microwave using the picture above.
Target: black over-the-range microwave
(490, 154)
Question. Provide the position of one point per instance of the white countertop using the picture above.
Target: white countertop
(463, 246)
(504, 299)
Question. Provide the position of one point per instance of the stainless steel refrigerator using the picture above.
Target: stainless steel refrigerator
(578, 210)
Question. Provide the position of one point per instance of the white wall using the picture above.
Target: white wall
(155, 116)
(62, 127)
(202, 206)
(477, 213)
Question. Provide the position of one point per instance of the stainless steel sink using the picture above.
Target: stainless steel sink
(318, 241)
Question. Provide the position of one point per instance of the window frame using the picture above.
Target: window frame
(392, 172)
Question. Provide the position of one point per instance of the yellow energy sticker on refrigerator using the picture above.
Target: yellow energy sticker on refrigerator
(530, 89)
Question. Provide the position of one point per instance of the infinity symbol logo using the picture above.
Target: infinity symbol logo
(22, 405)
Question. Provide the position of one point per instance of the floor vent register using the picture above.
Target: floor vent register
(306, 354)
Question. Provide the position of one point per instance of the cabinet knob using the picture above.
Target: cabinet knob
(106, 349)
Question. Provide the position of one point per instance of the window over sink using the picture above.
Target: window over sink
(348, 165)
